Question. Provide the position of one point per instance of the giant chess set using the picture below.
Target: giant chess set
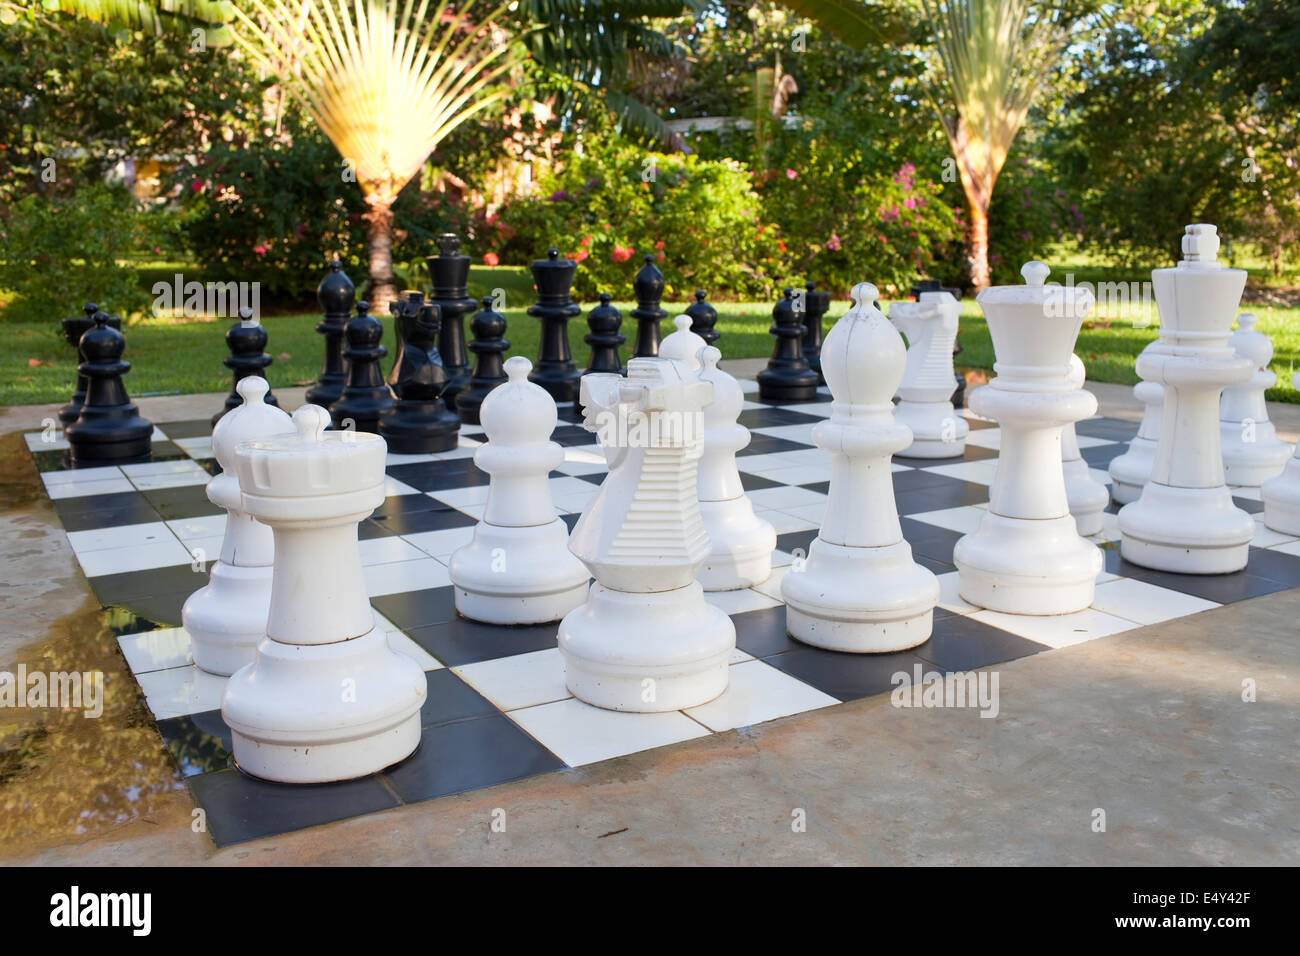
(465, 573)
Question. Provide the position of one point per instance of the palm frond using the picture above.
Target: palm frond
(156, 16)
(855, 22)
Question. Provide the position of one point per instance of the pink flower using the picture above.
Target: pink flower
(621, 253)
(490, 259)
(910, 202)
(791, 174)
(260, 249)
(196, 186)
(833, 243)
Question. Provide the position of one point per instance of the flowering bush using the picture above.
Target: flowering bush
(1029, 212)
(615, 203)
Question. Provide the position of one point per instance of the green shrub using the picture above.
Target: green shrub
(63, 251)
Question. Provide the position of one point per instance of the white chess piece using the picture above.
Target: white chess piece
(326, 698)
(227, 617)
(1281, 495)
(1131, 470)
(860, 590)
(1252, 452)
(925, 395)
(646, 640)
(1087, 496)
(740, 542)
(1185, 520)
(1026, 557)
(518, 568)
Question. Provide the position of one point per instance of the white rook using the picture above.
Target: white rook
(325, 698)
(925, 395)
(1026, 557)
(1185, 520)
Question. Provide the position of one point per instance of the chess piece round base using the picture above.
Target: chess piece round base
(741, 545)
(561, 380)
(226, 619)
(937, 430)
(1282, 499)
(1131, 470)
(860, 600)
(1185, 530)
(293, 721)
(489, 572)
(646, 653)
(1248, 464)
(796, 386)
(1088, 498)
(113, 434)
(421, 428)
(1027, 566)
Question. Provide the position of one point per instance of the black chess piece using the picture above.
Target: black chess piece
(489, 345)
(450, 272)
(246, 340)
(934, 285)
(109, 429)
(420, 422)
(365, 395)
(555, 370)
(649, 288)
(73, 329)
(703, 318)
(336, 295)
(605, 338)
(787, 378)
(404, 310)
(815, 305)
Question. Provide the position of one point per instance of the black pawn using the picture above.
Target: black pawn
(73, 329)
(787, 377)
(336, 295)
(815, 306)
(555, 370)
(246, 339)
(934, 285)
(450, 273)
(605, 338)
(649, 288)
(420, 422)
(489, 329)
(365, 396)
(109, 429)
(703, 318)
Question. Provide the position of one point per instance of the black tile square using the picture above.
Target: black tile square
(821, 487)
(1220, 588)
(104, 511)
(405, 504)
(209, 465)
(929, 540)
(449, 698)
(846, 676)
(762, 633)
(571, 519)
(1099, 456)
(369, 528)
(188, 501)
(568, 412)
(572, 436)
(776, 417)
(457, 640)
(757, 482)
(769, 444)
(122, 620)
(918, 479)
(123, 588)
(937, 567)
(195, 428)
(53, 459)
(791, 540)
(162, 609)
(1111, 429)
(1274, 565)
(820, 398)
(469, 755)
(199, 743)
(952, 494)
(167, 451)
(959, 644)
(1249, 505)
(410, 609)
(438, 518)
(440, 475)
(241, 808)
(598, 477)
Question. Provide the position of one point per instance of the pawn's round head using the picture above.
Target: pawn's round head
(1035, 272)
(252, 389)
(252, 420)
(518, 412)
(311, 422)
(864, 295)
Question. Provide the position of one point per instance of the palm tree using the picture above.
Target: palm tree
(384, 85)
(212, 17)
(993, 58)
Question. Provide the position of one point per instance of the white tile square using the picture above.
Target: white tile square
(580, 734)
(985, 438)
(396, 459)
(192, 529)
(771, 588)
(1146, 603)
(758, 692)
(1292, 548)
(800, 474)
(811, 513)
(750, 387)
(157, 554)
(801, 433)
(739, 657)
(402, 576)
(574, 504)
(571, 467)
(462, 497)
(1061, 630)
(387, 550)
(785, 498)
(394, 488)
(784, 523)
(461, 451)
(1090, 441)
(820, 409)
(36, 441)
(949, 599)
(964, 519)
(441, 544)
(122, 536)
(401, 644)
(568, 485)
(521, 680)
(178, 691)
(74, 475)
(157, 469)
(79, 489)
(978, 472)
(1253, 494)
(200, 447)
(156, 650)
(740, 601)
(1266, 537)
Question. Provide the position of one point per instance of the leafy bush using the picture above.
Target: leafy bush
(64, 250)
(615, 203)
(1029, 212)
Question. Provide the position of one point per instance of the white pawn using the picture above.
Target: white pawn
(518, 568)
(925, 395)
(859, 589)
(1130, 471)
(1252, 452)
(741, 543)
(227, 617)
(326, 698)
(1282, 494)
(1087, 496)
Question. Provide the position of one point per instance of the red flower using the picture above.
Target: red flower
(659, 244)
(490, 259)
(580, 255)
(621, 253)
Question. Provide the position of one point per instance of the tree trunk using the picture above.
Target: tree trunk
(379, 239)
(977, 247)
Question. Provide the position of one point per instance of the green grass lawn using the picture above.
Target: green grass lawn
(175, 358)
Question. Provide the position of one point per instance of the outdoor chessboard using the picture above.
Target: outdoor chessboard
(497, 708)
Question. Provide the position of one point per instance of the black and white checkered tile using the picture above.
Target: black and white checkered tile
(497, 708)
